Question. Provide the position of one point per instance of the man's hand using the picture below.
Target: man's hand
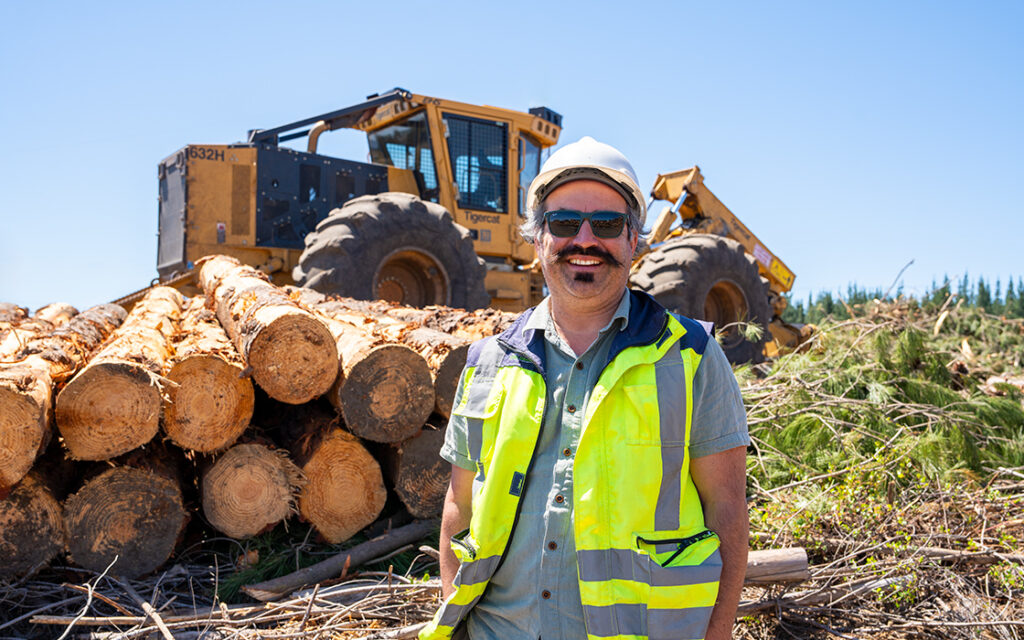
(458, 508)
(720, 479)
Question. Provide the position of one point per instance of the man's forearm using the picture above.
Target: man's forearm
(454, 518)
(731, 523)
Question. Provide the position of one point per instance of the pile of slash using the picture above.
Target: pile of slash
(890, 447)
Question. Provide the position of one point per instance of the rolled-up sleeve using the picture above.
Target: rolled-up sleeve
(719, 418)
(456, 439)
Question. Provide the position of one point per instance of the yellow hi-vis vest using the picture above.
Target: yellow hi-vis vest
(647, 566)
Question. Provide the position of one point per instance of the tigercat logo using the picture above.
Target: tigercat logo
(480, 217)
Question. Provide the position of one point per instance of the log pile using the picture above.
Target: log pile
(259, 402)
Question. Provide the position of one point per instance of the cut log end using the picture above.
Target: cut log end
(388, 395)
(344, 489)
(23, 431)
(132, 514)
(109, 409)
(446, 380)
(31, 529)
(249, 490)
(294, 359)
(420, 475)
(210, 404)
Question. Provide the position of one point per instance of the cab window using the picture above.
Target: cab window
(406, 145)
(529, 167)
(478, 150)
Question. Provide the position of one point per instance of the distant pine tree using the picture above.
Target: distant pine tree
(963, 290)
(1010, 303)
(984, 297)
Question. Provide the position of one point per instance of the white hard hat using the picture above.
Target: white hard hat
(588, 159)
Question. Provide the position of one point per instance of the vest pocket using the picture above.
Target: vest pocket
(463, 546)
(642, 426)
(477, 409)
(684, 574)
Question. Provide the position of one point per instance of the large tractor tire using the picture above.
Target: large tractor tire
(393, 246)
(709, 277)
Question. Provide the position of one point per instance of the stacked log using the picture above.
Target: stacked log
(209, 402)
(445, 354)
(249, 489)
(340, 391)
(384, 389)
(113, 405)
(468, 325)
(12, 313)
(31, 528)
(56, 313)
(26, 386)
(128, 518)
(292, 355)
(418, 473)
(18, 332)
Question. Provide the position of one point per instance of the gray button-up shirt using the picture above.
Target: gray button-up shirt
(535, 592)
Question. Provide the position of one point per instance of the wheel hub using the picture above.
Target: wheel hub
(725, 305)
(411, 277)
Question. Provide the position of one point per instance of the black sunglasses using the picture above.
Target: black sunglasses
(565, 223)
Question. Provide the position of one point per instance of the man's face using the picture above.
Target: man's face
(586, 269)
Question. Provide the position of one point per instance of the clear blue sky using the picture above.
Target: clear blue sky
(851, 137)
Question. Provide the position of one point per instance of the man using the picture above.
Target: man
(597, 446)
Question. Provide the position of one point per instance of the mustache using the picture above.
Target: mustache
(590, 252)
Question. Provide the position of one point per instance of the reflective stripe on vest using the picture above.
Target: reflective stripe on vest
(648, 568)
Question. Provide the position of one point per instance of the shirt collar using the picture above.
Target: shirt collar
(541, 316)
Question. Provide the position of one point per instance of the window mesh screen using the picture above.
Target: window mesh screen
(406, 145)
(478, 150)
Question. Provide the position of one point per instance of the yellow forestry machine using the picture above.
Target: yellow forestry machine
(434, 217)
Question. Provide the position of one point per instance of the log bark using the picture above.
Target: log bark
(344, 490)
(10, 312)
(249, 489)
(444, 354)
(772, 566)
(384, 390)
(210, 402)
(292, 355)
(31, 528)
(335, 565)
(26, 386)
(135, 514)
(468, 325)
(56, 313)
(113, 405)
(418, 473)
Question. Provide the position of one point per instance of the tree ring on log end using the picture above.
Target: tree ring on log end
(108, 409)
(210, 406)
(248, 490)
(344, 490)
(130, 513)
(294, 359)
(31, 529)
(422, 475)
(22, 428)
(387, 395)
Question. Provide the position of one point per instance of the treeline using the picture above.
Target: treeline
(993, 298)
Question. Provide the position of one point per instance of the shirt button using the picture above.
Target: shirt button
(579, 365)
(559, 499)
(552, 545)
(567, 452)
(545, 594)
(572, 408)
